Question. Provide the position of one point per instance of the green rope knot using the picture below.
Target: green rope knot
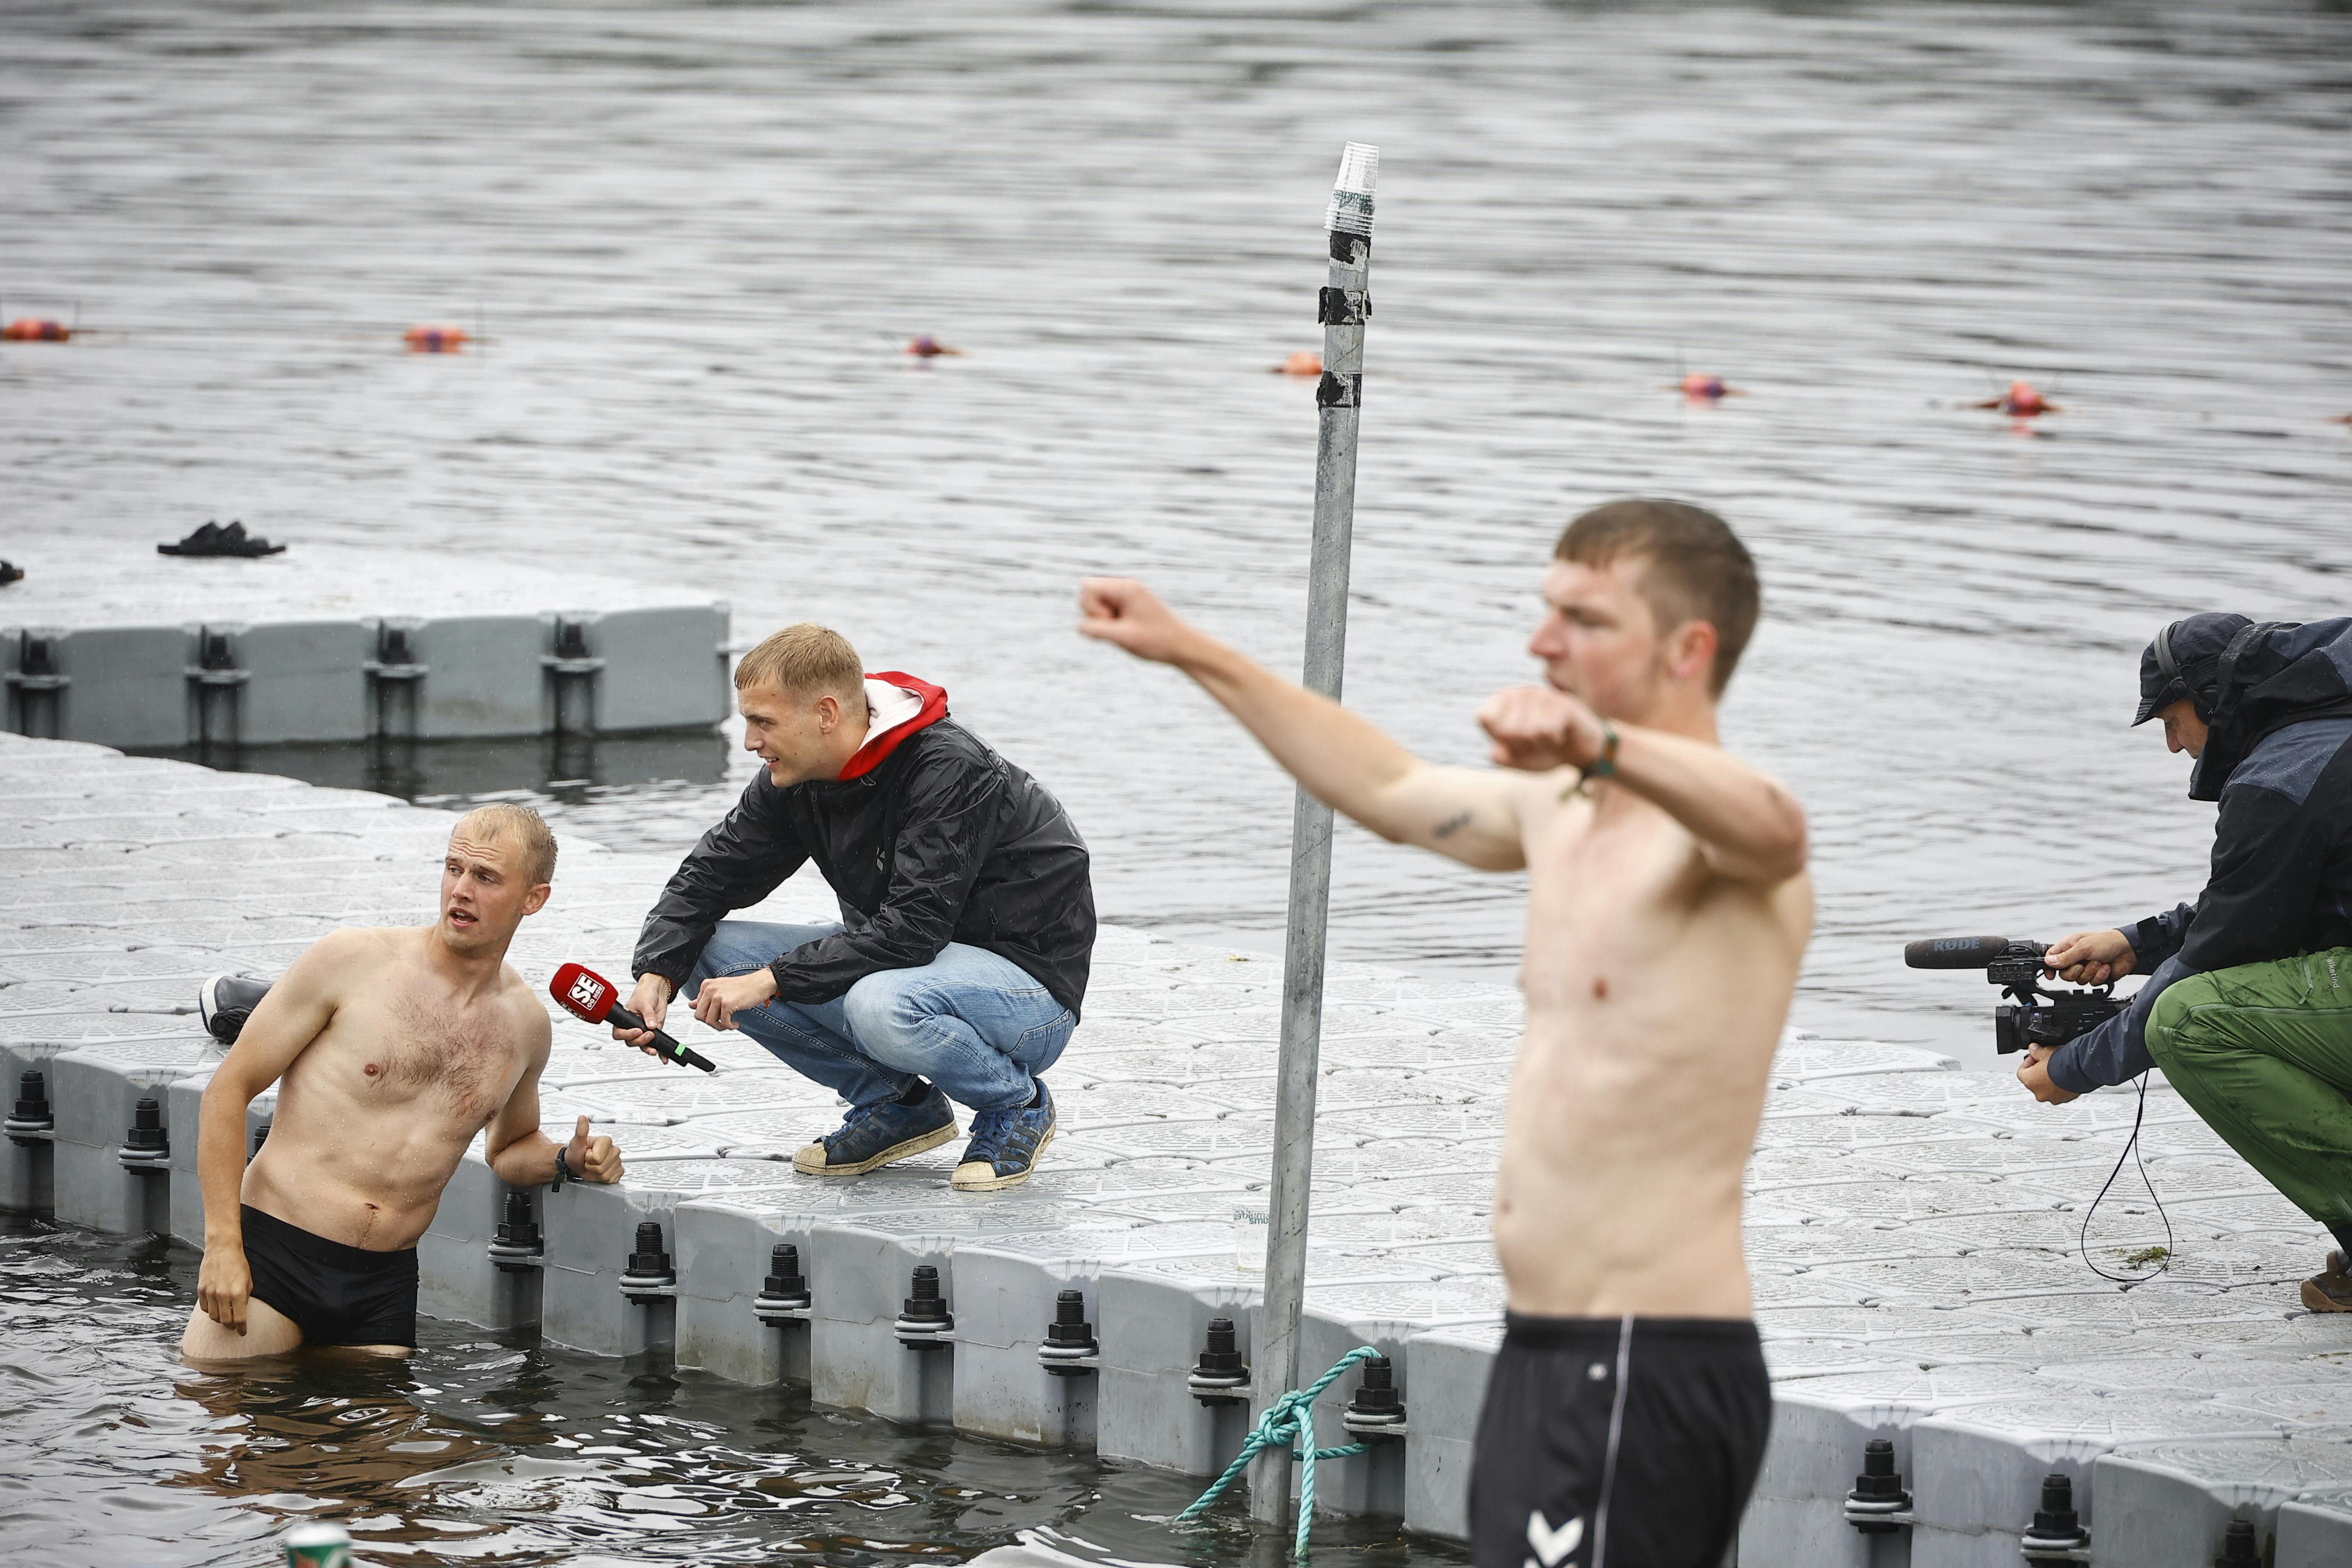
(1289, 1426)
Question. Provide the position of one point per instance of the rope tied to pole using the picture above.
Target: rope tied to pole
(1289, 1426)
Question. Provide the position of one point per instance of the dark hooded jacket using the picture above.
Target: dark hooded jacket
(2278, 758)
(927, 837)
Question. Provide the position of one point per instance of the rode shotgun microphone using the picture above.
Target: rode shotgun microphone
(1960, 951)
(591, 998)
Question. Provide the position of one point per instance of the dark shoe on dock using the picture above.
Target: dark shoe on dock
(10, 573)
(211, 539)
(2330, 1292)
(1006, 1145)
(226, 1001)
(874, 1135)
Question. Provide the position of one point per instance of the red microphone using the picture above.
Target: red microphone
(591, 998)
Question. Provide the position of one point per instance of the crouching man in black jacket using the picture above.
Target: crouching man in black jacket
(959, 961)
(2248, 1005)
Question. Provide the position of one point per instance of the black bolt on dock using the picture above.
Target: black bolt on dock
(1376, 1410)
(1069, 1350)
(924, 1323)
(260, 1136)
(2238, 1546)
(394, 675)
(1878, 1498)
(783, 1295)
(517, 1246)
(217, 678)
(573, 670)
(2057, 1535)
(37, 687)
(30, 1121)
(146, 1148)
(1220, 1377)
(649, 1277)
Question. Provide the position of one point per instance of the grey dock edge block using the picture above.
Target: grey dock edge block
(233, 682)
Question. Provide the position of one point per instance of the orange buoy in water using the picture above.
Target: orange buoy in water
(929, 347)
(2021, 401)
(1305, 362)
(35, 330)
(436, 340)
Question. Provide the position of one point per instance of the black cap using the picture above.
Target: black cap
(2181, 663)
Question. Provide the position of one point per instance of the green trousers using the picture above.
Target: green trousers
(2264, 1053)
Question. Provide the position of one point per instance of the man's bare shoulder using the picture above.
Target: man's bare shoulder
(354, 952)
(389, 942)
(520, 1010)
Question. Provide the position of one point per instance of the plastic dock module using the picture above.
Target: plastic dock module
(1014, 1378)
(2172, 1503)
(1951, 1384)
(182, 1099)
(2315, 1531)
(728, 1322)
(224, 652)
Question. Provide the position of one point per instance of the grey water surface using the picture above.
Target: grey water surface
(698, 237)
(488, 1446)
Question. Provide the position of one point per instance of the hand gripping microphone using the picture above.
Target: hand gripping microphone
(589, 997)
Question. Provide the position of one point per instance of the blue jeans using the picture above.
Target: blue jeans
(977, 1025)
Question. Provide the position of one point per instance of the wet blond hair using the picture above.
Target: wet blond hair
(504, 819)
(804, 660)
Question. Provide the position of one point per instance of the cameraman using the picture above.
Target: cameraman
(2249, 1006)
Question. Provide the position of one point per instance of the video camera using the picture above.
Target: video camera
(2032, 1015)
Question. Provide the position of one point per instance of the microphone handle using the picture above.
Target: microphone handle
(628, 1019)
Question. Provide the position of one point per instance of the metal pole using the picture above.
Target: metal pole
(1342, 308)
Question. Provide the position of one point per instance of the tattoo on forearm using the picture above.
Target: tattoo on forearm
(1452, 824)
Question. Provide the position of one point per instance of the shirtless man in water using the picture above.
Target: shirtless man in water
(1668, 908)
(391, 1048)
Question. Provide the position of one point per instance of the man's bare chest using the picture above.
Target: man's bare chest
(1609, 867)
(447, 1062)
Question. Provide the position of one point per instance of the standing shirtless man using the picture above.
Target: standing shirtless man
(1668, 910)
(391, 1048)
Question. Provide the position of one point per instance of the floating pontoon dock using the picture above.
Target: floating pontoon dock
(1911, 1227)
(112, 644)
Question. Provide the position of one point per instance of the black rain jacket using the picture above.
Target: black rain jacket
(2279, 757)
(943, 841)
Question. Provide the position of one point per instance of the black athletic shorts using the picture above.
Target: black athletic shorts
(337, 1295)
(1618, 1442)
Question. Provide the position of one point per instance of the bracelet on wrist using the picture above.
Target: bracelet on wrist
(563, 1170)
(1601, 767)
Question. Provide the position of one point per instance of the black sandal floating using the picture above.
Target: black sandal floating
(211, 539)
(10, 573)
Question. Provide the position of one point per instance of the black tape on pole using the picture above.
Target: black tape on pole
(1355, 249)
(1339, 391)
(1342, 307)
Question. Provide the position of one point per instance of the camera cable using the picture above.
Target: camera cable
(2132, 1153)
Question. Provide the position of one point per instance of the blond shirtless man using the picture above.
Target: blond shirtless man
(391, 1048)
(1668, 908)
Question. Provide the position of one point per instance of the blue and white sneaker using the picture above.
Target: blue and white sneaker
(1006, 1145)
(873, 1136)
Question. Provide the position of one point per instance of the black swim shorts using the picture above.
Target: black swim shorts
(337, 1295)
(1618, 1442)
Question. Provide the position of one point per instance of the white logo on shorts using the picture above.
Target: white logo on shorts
(1551, 1545)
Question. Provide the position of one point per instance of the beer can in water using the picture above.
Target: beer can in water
(313, 1544)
